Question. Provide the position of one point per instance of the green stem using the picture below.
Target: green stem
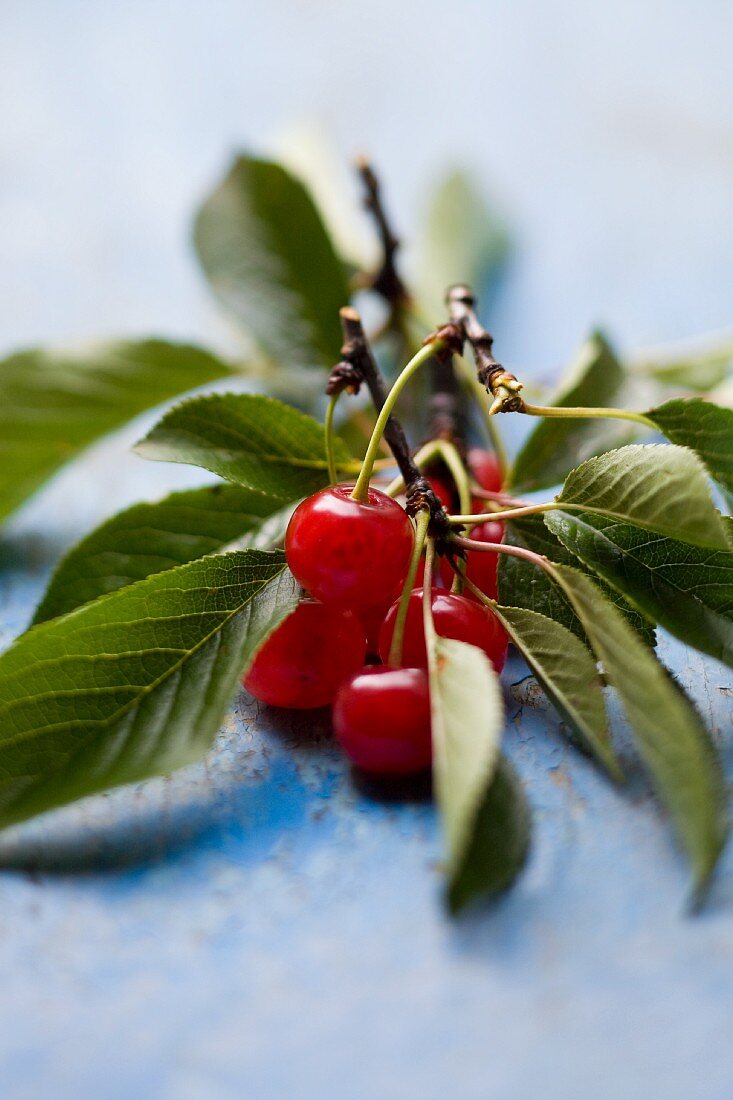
(328, 426)
(449, 453)
(581, 413)
(361, 488)
(477, 391)
(427, 607)
(508, 514)
(422, 521)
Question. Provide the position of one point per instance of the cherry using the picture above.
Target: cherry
(305, 659)
(484, 465)
(350, 553)
(454, 617)
(381, 717)
(442, 576)
(482, 568)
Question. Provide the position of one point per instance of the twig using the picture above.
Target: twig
(503, 386)
(386, 281)
(358, 363)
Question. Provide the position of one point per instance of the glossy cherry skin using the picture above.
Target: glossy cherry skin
(454, 617)
(484, 465)
(348, 553)
(305, 660)
(483, 568)
(381, 717)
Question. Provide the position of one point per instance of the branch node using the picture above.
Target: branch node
(386, 281)
(502, 386)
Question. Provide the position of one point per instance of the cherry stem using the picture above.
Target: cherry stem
(459, 568)
(498, 498)
(422, 522)
(507, 514)
(591, 413)
(502, 548)
(425, 353)
(427, 607)
(476, 390)
(328, 428)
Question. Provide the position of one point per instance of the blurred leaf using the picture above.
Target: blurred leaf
(596, 379)
(54, 402)
(271, 264)
(463, 241)
(668, 731)
(135, 684)
(661, 487)
(695, 365)
(686, 589)
(150, 538)
(254, 441)
(566, 671)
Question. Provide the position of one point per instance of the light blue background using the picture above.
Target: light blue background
(277, 931)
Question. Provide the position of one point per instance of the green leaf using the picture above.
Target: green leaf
(686, 589)
(135, 684)
(522, 584)
(270, 262)
(499, 844)
(463, 242)
(255, 441)
(698, 364)
(150, 538)
(661, 487)
(670, 736)
(705, 428)
(54, 402)
(467, 718)
(567, 672)
(555, 446)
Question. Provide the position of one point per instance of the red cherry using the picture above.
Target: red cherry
(442, 576)
(372, 620)
(381, 717)
(484, 465)
(482, 568)
(303, 662)
(350, 553)
(454, 617)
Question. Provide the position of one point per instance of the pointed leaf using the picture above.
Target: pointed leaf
(463, 242)
(669, 733)
(567, 672)
(499, 843)
(270, 262)
(150, 538)
(555, 446)
(661, 487)
(705, 428)
(135, 684)
(468, 718)
(55, 401)
(255, 441)
(522, 584)
(686, 589)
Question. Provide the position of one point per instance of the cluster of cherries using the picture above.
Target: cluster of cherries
(352, 558)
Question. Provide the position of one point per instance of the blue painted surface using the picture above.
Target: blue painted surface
(258, 925)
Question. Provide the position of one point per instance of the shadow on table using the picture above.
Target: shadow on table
(274, 772)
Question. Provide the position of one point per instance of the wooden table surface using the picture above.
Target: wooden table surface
(260, 925)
